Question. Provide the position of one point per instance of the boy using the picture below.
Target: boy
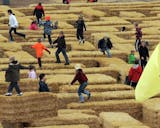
(13, 76)
(131, 58)
(83, 80)
(39, 47)
(43, 87)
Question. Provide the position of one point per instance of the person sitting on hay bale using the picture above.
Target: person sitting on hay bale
(83, 80)
(32, 72)
(105, 45)
(43, 87)
(13, 76)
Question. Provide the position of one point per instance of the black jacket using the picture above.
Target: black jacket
(43, 87)
(80, 25)
(13, 72)
(61, 43)
(105, 44)
(143, 52)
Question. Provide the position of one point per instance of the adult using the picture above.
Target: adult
(144, 54)
(39, 12)
(39, 48)
(83, 81)
(13, 76)
(138, 36)
(105, 45)
(13, 23)
(135, 74)
(61, 47)
(80, 25)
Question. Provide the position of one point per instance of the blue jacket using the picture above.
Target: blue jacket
(43, 87)
(48, 27)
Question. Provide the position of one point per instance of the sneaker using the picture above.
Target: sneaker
(80, 41)
(58, 62)
(20, 94)
(83, 41)
(89, 96)
(81, 101)
(8, 94)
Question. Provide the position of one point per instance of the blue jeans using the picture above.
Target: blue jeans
(14, 85)
(107, 51)
(82, 90)
(63, 50)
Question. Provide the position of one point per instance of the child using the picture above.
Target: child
(33, 26)
(32, 72)
(48, 27)
(39, 47)
(83, 80)
(131, 58)
(43, 87)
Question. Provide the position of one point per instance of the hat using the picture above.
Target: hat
(11, 59)
(77, 66)
(47, 18)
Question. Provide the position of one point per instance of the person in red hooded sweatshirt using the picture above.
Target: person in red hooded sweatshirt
(135, 74)
(39, 12)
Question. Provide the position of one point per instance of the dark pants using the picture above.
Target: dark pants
(80, 34)
(133, 84)
(15, 32)
(137, 44)
(82, 90)
(63, 50)
(39, 62)
(14, 85)
(143, 63)
(38, 17)
(49, 38)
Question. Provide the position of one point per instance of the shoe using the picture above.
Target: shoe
(89, 96)
(83, 41)
(58, 62)
(80, 41)
(8, 94)
(24, 36)
(20, 94)
(66, 63)
(81, 101)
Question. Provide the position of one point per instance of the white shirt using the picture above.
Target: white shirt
(32, 74)
(13, 21)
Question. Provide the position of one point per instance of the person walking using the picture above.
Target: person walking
(105, 45)
(61, 47)
(39, 48)
(135, 74)
(48, 27)
(43, 87)
(80, 25)
(13, 23)
(144, 54)
(83, 80)
(138, 36)
(13, 76)
(39, 12)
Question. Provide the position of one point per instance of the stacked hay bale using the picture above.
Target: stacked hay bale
(118, 120)
(151, 112)
(27, 107)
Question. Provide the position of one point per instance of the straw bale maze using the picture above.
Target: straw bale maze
(112, 104)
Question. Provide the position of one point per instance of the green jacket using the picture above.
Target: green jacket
(131, 59)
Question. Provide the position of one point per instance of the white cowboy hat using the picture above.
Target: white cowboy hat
(77, 66)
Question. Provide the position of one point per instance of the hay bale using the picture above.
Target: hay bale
(70, 111)
(134, 127)
(118, 119)
(27, 107)
(97, 88)
(131, 14)
(151, 112)
(128, 106)
(64, 126)
(69, 119)
(65, 98)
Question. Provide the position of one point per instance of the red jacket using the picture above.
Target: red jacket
(80, 76)
(135, 73)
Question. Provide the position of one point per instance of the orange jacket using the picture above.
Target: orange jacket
(39, 47)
